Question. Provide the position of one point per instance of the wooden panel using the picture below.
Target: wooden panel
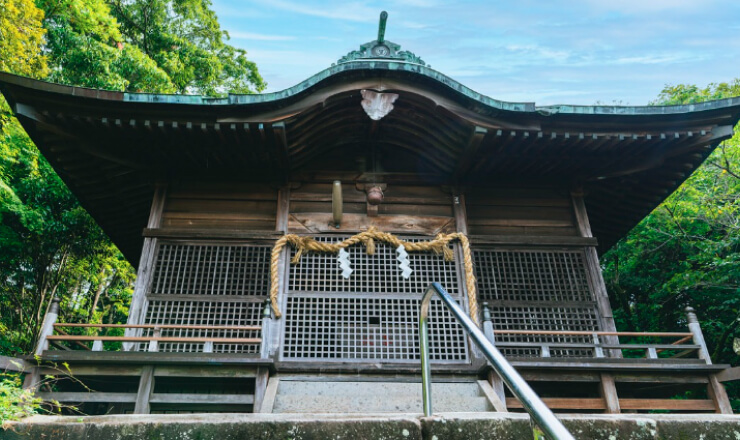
(405, 209)
(563, 403)
(520, 211)
(674, 404)
(221, 205)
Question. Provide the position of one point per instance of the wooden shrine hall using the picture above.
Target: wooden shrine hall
(506, 205)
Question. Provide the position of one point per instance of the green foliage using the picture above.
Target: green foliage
(48, 244)
(15, 402)
(21, 38)
(687, 251)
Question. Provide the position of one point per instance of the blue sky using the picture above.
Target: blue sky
(549, 52)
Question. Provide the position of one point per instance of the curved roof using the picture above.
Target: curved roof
(110, 147)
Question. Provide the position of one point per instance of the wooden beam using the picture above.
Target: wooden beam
(667, 404)
(563, 403)
(260, 387)
(188, 398)
(85, 397)
(471, 149)
(718, 394)
(608, 390)
(143, 395)
(14, 364)
(729, 374)
(268, 401)
(498, 403)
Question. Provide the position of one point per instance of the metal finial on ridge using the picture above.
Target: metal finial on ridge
(382, 49)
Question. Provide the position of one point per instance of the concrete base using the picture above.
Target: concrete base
(446, 426)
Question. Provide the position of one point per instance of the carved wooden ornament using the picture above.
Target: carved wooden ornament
(376, 104)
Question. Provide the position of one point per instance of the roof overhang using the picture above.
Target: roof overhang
(111, 147)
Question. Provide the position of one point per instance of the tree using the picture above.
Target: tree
(48, 244)
(687, 251)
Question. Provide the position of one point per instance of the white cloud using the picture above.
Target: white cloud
(350, 11)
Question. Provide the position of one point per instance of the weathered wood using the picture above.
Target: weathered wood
(144, 393)
(718, 395)
(153, 338)
(667, 404)
(497, 402)
(283, 210)
(186, 398)
(88, 397)
(93, 370)
(146, 263)
(532, 240)
(268, 401)
(260, 387)
(608, 391)
(139, 358)
(729, 374)
(563, 403)
(216, 234)
(14, 364)
(461, 216)
(321, 223)
(209, 371)
(593, 270)
(163, 326)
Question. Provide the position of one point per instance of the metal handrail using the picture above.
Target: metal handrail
(538, 411)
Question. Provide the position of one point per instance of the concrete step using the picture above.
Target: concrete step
(368, 388)
(376, 404)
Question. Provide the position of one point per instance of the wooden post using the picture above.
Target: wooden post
(715, 389)
(266, 330)
(260, 387)
(154, 344)
(497, 384)
(47, 327)
(146, 386)
(598, 350)
(593, 272)
(97, 345)
(146, 265)
(608, 390)
(697, 334)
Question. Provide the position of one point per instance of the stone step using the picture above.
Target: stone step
(376, 404)
(369, 388)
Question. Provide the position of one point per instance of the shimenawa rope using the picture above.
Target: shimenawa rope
(440, 245)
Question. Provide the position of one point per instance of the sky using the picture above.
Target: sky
(549, 52)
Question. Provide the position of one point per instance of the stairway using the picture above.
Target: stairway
(348, 396)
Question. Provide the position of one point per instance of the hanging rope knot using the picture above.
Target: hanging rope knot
(440, 245)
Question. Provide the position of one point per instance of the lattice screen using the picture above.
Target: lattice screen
(215, 285)
(537, 290)
(371, 316)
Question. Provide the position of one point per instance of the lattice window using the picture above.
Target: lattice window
(377, 273)
(371, 316)
(216, 285)
(211, 270)
(367, 328)
(531, 275)
(545, 290)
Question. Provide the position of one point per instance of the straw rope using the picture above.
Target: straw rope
(440, 245)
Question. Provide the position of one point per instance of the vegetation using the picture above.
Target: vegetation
(49, 244)
(687, 251)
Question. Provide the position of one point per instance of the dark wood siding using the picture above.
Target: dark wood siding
(520, 211)
(223, 206)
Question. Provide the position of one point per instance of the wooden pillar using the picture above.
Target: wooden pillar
(146, 265)
(47, 327)
(608, 390)
(593, 272)
(715, 389)
(146, 387)
(260, 387)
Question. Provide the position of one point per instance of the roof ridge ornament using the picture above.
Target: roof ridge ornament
(382, 49)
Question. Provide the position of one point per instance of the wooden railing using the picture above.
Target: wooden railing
(154, 339)
(598, 347)
(57, 335)
(604, 344)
